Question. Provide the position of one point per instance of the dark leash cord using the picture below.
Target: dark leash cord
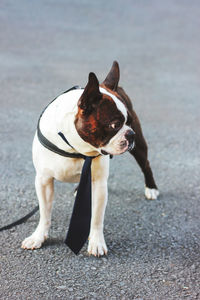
(20, 221)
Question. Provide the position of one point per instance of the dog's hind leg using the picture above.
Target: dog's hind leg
(140, 152)
(45, 193)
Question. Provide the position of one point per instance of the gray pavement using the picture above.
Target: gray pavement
(45, 48)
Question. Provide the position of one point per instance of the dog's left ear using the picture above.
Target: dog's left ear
(112, 78)
(91, 95)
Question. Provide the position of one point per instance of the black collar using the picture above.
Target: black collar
(49, 145)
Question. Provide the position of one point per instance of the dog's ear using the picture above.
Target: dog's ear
(91, 95)
(112, 78)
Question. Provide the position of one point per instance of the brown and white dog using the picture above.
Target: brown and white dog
(96, 120)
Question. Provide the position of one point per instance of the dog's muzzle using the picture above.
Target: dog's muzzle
(125, 144)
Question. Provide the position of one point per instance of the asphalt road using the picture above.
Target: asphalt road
(45, 48)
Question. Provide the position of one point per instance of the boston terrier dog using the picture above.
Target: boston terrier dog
(97, 121)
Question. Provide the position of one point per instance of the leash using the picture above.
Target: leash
(20, 221)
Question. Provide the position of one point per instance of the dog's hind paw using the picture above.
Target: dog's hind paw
(151, 194)
(97, 246)
(33, 242)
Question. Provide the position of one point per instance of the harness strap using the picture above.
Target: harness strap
(50, 146)
(64, 139)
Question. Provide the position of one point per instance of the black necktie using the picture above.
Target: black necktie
(80, 220)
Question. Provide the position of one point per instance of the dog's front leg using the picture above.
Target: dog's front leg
(45, 192)
(100, 169)
(97, 245)
(140, 152)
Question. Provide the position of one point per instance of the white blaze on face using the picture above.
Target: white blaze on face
(118, 144)
(121, 107)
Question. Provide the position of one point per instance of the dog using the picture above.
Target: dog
(98, 120)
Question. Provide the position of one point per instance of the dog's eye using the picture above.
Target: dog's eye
(115, 125)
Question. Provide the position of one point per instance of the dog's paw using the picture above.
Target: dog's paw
(34, 241)
(151, 194)
(97, 245)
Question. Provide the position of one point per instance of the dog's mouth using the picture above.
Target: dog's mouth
(123, 147)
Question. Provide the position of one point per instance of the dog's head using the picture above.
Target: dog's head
(102, 118)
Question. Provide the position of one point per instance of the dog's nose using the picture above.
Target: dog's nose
(130, 136)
